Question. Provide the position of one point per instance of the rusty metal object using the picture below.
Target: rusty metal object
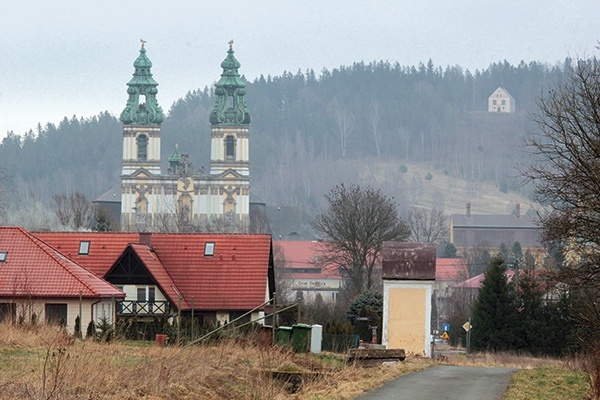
(408, 261)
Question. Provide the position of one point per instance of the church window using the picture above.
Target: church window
(84, 248)
(209, 249)
(142, 143)
(3, 255)
(230, 147)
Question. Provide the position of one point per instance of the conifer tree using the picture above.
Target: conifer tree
(495, 314)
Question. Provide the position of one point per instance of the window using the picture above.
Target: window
(8, 312)
(141, 293)
(84, 248)
(209, 249)
(230, 147)
(494, 102)
(142, 143)
(56, 314)
(3, 255)
(503, 102)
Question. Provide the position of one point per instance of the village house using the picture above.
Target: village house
(501, 101)
(448, 272)
(492, 230)
(301, 264)
(217, 277)
(40, 284)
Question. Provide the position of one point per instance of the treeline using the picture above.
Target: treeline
(310, 131)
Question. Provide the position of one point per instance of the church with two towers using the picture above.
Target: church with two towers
(182, 198)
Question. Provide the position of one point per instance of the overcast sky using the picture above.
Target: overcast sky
(64, 58)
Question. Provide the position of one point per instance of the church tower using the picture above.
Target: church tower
(230, 121)
(141, 121)
(230, 150)
(185, 199)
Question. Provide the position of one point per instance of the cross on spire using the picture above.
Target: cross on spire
(230, 44)
(143, 42)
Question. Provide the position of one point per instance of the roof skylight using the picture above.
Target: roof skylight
(84, 247)
(209, 249)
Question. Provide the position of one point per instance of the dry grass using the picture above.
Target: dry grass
(45, 363)
(549, 383)
(502, 359)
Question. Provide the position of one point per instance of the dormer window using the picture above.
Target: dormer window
(84, 248)
(142, 144)
(230, 147)
(209, 249)
(3, 255)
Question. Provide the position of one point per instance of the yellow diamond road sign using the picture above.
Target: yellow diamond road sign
(467, 326)
(445, 335)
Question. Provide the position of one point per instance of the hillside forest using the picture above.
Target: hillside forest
(367, 123)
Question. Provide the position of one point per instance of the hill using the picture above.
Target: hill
(358, 123)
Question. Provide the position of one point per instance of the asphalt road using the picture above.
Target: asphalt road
(445, 382)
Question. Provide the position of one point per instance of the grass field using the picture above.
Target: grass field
(45, 363)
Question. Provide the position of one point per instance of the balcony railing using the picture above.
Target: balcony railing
(142, 308)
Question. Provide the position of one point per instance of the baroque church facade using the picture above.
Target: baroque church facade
(183, 199)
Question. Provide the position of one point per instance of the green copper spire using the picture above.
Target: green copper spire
(142, 84)
(230, 108)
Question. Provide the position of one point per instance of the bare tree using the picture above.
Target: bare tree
(29, 211)
(3, 197)
(429, 226)
(374, 119)
(74, 211)
(357, 221)
(566, 174)
(345, 124)
(283, 279)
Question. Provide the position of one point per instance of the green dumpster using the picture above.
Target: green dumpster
(301, 337)
(283, 335)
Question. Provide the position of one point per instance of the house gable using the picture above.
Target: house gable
(129, 270)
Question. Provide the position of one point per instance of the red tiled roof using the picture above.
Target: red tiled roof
(33, 268)
(450, 269)
(302, 254)
(235, 278)
(159, 273)
(105, 247)
(476, 281)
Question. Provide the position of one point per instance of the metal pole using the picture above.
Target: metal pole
(192, 319)
(179, 319)
(231, 322)
(80, 333)
(469, 338)
(274, 320)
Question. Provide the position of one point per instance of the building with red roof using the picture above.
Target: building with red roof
(39, 283)
(304, 272)
(218, 277)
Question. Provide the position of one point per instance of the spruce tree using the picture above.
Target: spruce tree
(495, 315)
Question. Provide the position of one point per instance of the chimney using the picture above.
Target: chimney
(468, 208)
(146, 238)
(518, 209)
